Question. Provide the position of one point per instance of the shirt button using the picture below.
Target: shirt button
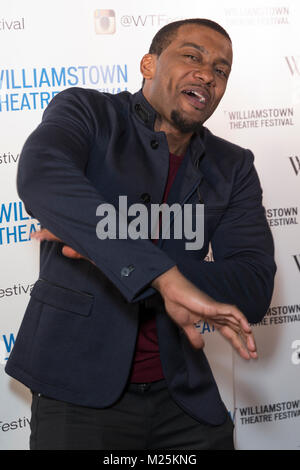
(154, 144)
(127, 270)
(145, 197)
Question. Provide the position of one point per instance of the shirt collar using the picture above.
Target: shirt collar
(146, 114)
(143, 110)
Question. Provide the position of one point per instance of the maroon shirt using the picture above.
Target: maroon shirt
(146, 363)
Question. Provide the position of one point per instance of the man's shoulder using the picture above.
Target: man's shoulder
(226, 151)
(92, 97)
(221, 143)
(89, 107)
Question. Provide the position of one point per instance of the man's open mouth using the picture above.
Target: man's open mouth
(197, 98)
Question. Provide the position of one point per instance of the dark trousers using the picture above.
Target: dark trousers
(145, 417)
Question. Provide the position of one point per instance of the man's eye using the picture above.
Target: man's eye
(192, 57)
(221, 72)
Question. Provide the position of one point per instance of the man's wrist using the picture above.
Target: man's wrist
(160, 282)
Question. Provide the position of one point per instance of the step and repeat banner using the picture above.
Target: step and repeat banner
(46, 48)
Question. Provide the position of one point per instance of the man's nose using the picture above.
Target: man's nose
(206, 74)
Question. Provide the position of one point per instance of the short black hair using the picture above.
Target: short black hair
(166, 34)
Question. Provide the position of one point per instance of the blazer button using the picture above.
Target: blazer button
(127, 270)
(145, 197)
(154, 144)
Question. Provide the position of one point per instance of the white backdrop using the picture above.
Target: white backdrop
(46, 48)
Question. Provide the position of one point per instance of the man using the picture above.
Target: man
(108, 344)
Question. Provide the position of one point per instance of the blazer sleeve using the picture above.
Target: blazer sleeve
(243, 269)
(52, 183)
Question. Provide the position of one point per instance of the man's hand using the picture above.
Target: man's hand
(67, 251)
(187, 305)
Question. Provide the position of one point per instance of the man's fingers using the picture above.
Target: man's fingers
(235, 315)
(251, 346)
(236, 342)
(243, 343)
(220, 321)
(248, 341)
(44, 234)
(67, 251)
(218, 318)
(70, 253)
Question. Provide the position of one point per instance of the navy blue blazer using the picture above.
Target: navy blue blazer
(77, 339)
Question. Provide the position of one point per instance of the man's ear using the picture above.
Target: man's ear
(147, 67)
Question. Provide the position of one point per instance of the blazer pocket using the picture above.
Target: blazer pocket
(63, 298)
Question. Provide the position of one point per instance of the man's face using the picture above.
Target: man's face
(189, 78)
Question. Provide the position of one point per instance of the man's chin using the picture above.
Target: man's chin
(184, 125)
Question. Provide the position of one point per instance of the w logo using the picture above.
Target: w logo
(6, 346)
(295, 161)
(297, 260)
(293, 64)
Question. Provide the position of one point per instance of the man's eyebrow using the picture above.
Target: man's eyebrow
(202, 49)
(196, 46)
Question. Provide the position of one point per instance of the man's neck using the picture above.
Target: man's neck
(177, 141)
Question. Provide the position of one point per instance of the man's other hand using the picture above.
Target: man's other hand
(67, 251)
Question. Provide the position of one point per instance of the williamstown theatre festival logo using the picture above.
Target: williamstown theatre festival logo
(262, 15)
(183, 221)
(25, 89)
